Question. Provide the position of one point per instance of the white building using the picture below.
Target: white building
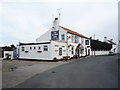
(58, 42)
(114, 46)
(8, 53)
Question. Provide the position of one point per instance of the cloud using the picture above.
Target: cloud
(60, 1)
(20, 25)
(27, 21)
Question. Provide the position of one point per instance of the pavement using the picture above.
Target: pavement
(91, 72)
(17, 71)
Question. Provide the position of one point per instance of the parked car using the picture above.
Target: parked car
(111, 53)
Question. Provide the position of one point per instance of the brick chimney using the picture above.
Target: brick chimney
(56, 23)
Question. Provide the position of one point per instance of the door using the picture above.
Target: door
(60, 51)
(86, 52)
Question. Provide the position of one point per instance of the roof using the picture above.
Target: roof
(34, 43)
(73, 32)
(7, 48)
(111, 42)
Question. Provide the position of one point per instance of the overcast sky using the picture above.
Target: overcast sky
(25, 20)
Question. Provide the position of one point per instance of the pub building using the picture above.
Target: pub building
(57, 43)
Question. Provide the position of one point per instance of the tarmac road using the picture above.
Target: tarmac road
(91, 72)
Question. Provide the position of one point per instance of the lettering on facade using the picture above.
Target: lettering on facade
(55, 35)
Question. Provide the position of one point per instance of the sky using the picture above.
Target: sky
(26, 20)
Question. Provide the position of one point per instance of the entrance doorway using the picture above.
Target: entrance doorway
(60, 51)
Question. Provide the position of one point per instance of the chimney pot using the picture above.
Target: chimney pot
(56, 18)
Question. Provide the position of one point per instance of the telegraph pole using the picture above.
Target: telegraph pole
(59, 9)
(94, 39)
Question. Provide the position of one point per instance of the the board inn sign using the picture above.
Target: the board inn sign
(55, 35)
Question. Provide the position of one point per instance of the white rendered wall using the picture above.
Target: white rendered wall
(81, 41)
(33, 54)
(114, 47)
(101, 52)
(45, 37)
(55, 50)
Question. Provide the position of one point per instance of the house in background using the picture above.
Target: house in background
(114, 46)
(56, 43)
(1, 52)
(103, 47)
(100, 48)
(9, 52)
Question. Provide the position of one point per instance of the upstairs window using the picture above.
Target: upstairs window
(63, 37)
(72, 38)
(34, 47)
(86, 42)
(76, 39)
(45, 48)
(30, 48)
(82, 40)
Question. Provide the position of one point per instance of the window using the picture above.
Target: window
(22, 49)
(86, 42)
(63, 50)
(56, 46)
(26, 51)
(34, 47)
(72, 50)
(30, 48)
(68, 37)
(39, 51)
(62, 37)
(56, 50)
(82, 40)
(38, 47)
(60, 51)
(72, 38)
(6, 54)
(76, 39)
(45, 48)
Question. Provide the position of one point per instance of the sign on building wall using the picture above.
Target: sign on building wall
(55, 35)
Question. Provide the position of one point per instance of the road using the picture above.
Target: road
(91, 72)
(17, 71)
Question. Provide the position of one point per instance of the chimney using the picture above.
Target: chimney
(105, 39)
(111, 39)
(56, 23)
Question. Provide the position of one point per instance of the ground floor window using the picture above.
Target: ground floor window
(72, 50)
(22, 49)
(45, 48)
(30, 48)
(60, 51)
